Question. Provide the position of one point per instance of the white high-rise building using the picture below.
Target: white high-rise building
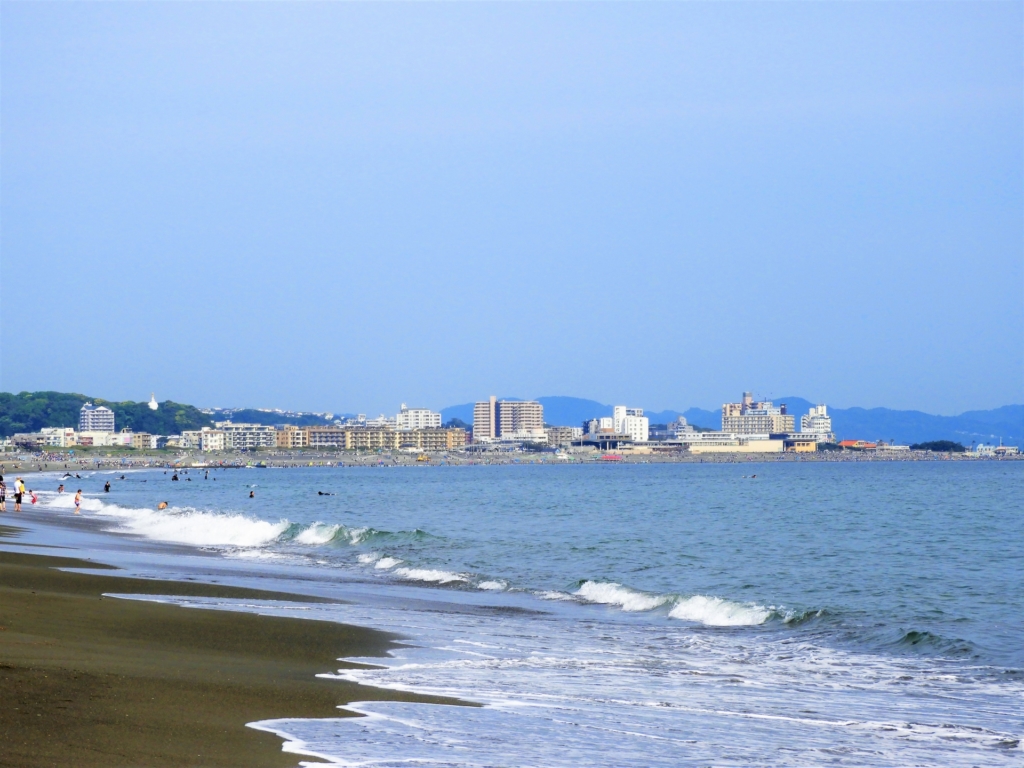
(95, 418)
(417, 418)
(632, 422)
(818, 423)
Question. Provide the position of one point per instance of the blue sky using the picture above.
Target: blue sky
(347, 206)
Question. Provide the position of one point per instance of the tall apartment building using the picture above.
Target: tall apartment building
(632, 422)
(508, 419)
(417, 418)
(817, 422)
(756, 418)
(95, 418)
(485, 422)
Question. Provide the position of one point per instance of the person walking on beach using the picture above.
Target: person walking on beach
(19, 491)
(78, 500)
(3, 494)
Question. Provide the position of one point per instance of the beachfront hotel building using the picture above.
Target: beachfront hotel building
(756, 418)
(417, 418)
(495, 419)
(95, 418)
(818, 424)
(247, 436)
(374, 438)
(631, 422)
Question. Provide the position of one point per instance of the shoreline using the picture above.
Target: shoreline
(27, 464)
(96, 681)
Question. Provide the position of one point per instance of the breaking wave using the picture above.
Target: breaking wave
(711, 611)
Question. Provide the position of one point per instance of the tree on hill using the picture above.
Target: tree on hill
(31, 411)
(944, 446)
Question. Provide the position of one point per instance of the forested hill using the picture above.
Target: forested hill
(31, 411)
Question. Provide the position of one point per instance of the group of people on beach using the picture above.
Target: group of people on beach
(20, 492)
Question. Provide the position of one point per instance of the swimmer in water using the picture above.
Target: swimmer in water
(252, 494)
(162, 505)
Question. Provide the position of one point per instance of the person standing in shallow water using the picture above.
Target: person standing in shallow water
(19, 491)
(78, 500)
(3, 494)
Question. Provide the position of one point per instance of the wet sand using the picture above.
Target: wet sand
(92, 681)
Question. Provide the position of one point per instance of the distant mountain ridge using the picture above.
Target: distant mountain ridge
(1006, 423)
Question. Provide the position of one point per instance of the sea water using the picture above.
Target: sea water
(671, 614)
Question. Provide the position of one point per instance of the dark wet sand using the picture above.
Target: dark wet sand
(91, 681)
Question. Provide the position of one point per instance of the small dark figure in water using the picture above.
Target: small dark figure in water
(106, 487)
(323, 493)
(252, 494)
(122, 477)
(174, 477)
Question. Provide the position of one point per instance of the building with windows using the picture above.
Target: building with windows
(495, 419)
(417, 418)
(292, 437)
(631, 422)
(564, 435)
(818, 423)
(756, 418)
(95, 418)
(247, 436)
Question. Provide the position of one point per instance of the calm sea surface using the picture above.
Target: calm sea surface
(679, 614)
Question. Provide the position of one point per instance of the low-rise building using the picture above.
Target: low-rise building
(292, 437)
(432, 439)
(858, 445)
(564, 435)
(326, 437)
(247, 436)
(212, 440)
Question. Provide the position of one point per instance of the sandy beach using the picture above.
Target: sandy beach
(88, 680)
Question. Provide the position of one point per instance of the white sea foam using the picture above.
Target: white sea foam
(553, 595)
(495, 586)
(369, 557)
(318, 533)
(716, 612)
(387, 562)
(181, 525)
(428, 574)
(610, 593)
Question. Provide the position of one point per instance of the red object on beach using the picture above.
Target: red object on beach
(611, 457)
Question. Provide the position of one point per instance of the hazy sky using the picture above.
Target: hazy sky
(347, 206)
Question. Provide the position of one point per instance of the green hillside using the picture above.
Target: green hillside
(31, 411)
